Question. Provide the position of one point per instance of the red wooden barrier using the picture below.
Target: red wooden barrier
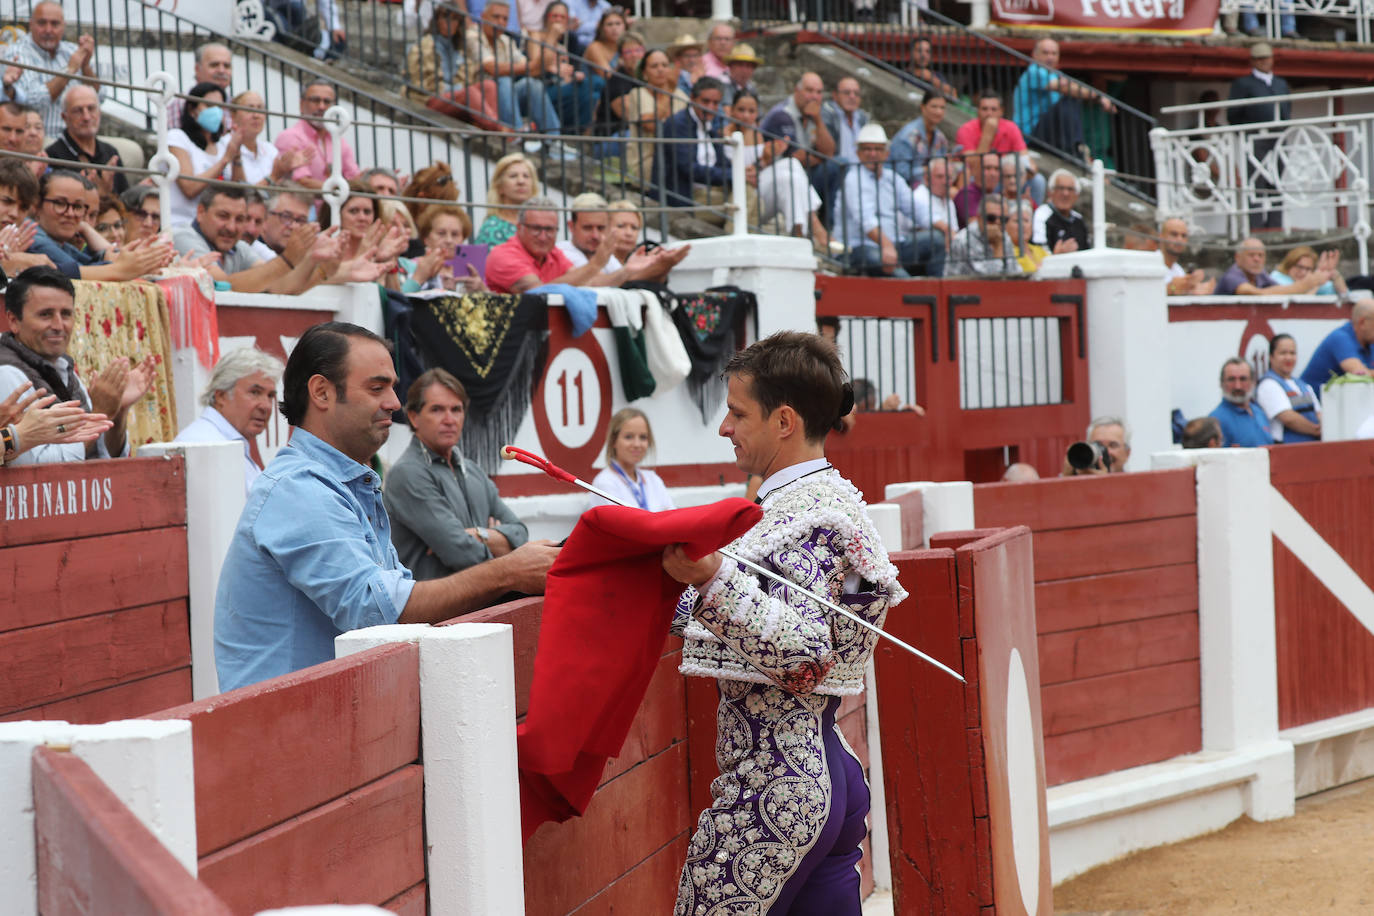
(308, 788)
(96, 624)
(950, 442)
(963, 764)
(96, 856)
(1324, 653)
(1116, 605)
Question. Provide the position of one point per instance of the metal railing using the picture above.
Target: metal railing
(1272, 14)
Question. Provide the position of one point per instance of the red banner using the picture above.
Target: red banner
(1177, 17)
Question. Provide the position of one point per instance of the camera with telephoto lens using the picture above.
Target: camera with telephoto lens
(1084, 455)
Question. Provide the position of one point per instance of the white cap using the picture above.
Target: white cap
(872, 133)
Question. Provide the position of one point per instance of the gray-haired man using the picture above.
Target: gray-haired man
(238, 400)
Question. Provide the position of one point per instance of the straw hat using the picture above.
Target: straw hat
(682, 43)
(872, 132)
(1260, 50)
(743, 54)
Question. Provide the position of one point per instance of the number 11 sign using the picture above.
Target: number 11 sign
(572, 404)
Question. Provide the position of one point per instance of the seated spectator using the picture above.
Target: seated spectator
(1349, 349)
(983, 247)
(1292, 405)
(257, 157)
(368, 247)
(1058, 226)
(629, 439)
(844, 118)
(1015, 182)
(784, 190)
(442, 229)
(1173, 244)
(870, 211)
(42, 46)
(34, 138)
(40, 303)
(590, 240)
(257, 215)
(985, 172)
(625, 227)
(218, 227)
(611, 121)
(446, 515)
(383, 181)
(433, 182)
(110, 219)
(1247, 277)
(61, 211)
(604, 49)
(309, 136)
(79, 143)
(574, 92)
(1046, 103)
(645, 108)
(287, 211)
(798, 119)
(740, 65)
(922, 67)
(685, 54)
(144, 212)
(1202, 432)
(921, 140)
(435, 70)
(513, 182)
(239, 401)
(720, 43)
(214, 63)
(1242, 423)
(1020, 472)
(492, 53)
(196, 145)
(1299, 263)
(993, 132)
(1019, 216)
(700, 172)
(18, 197)
(937, 219)
(14, 127)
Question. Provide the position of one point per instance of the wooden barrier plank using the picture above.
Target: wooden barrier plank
(96, 856)
(49, 663)
(913, 520)
(569, 863)
(412, 902)
(294, 742)
(703, 701)
(1072, 655)
(1119, 745)
(1317, 461)
(365, 847)
(1097, 701)
(1072, 552)
(90, 575)
(658, 725)
(1096, 600)
(1080, 502)
(650, 888)
(140, 699)
(39, 503)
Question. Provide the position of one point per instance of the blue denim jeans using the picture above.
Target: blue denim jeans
(519, 101)
(1288, 23)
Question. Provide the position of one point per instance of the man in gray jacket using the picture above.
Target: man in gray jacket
(843, 118)
(446, 515)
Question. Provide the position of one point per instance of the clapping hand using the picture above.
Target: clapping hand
(46, 423)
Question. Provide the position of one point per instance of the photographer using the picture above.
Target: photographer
(1108, 440)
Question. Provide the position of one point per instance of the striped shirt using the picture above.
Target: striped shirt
(32, 86)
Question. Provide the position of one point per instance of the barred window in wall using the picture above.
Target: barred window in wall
(880, 351)
(1011, 362)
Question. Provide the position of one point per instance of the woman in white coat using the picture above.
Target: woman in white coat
(628, 441)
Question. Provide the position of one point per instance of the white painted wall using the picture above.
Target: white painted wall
(945, 506)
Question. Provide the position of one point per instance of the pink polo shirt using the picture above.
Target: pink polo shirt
(509, 261)
(302, 136)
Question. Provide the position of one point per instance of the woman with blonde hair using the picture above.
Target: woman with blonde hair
(257, 155)
(628, 441)
(512, 183)
(1301, 261)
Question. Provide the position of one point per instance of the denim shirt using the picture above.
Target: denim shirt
(311, 558)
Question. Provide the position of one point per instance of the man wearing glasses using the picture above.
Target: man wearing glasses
(1057, 225)
(61, 208)
(531, 257)
(287, 210)
(309, 133)
(145, 214)
(983, 247)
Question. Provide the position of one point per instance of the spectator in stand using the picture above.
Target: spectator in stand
(34, 138)
(993, 132)
(383, 181)
(40, 303)
(1292, 405)
(287, 211)
(1046, 103)
(513, 183)
(922, 67)
(798, 119)
(784, 190)
(573, 92)
(625, 227)
(110, 219)
(1173, 244)
(435, 72)
(433, 182)
(218, 227)
(144, 213)
(309, 134)
(685, 53)
(1058, 226)
(983, 247)
(587, 16)
(1242, 423)
(199, 152)
(1247, 276)
(604, 48)
(79, 143)
(628, 441)
(937, 219)
(844, 118)
(442, 229)
(1299, 263)
(986, 173)
(612, 121)
(720, 43)
(257, 215)
(368, 245)
(1259, 84)
(700, 172)
(446, 514)
(62, 209)
(42, 46)
(258, 158)
(531, 258)
(239, 400)
(14, 127)
(1015, 187)
(493, 53)
(740, 65)
(1020, 215)
(921, 140)
(870, 211)
(9, 83)
(1349, 349)
(18, 197)
(645, 108)
(590, 239)
(1202, 432)
(214, 63)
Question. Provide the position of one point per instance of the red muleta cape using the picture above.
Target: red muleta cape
(607, 608)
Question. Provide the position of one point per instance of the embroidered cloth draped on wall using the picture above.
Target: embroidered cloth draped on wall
(127, 319)
(492, 343)
(192, 320)
(706, 322)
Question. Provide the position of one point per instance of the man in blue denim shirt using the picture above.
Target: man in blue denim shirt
(312, 555)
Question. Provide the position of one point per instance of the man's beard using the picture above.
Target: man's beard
(1237, 397)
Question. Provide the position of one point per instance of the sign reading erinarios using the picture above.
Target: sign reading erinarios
(48, 499)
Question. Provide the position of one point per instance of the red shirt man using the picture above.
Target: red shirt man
(990, 132)
(510, 262)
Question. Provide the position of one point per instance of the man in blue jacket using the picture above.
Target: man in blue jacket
(699, 173)
(1242, 422)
